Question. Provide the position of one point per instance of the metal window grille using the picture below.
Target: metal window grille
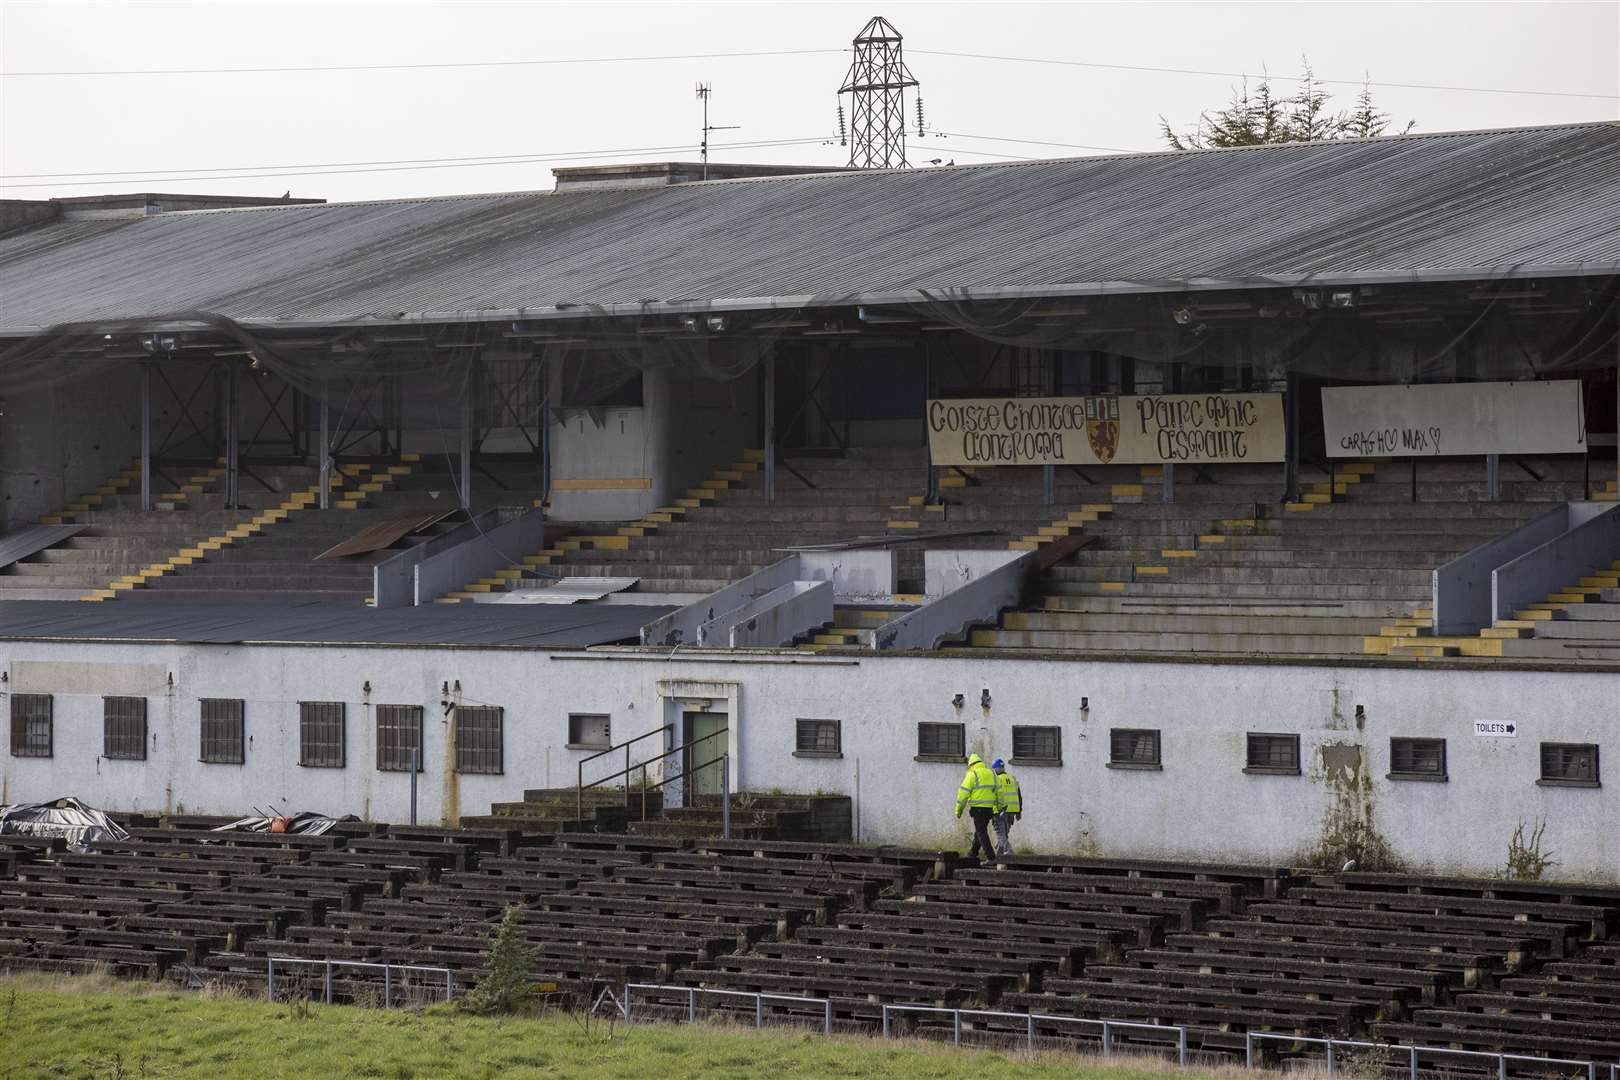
(1570, 761)
(399, 732)
(222, 736)
(1037, 744)
(590, 729)
(478, 739)
(321, 734)
(941, 740)
(1418, 757)
(30, 725)
(1134, 746)
(1274, 753)
(123, 729)
(818, 737)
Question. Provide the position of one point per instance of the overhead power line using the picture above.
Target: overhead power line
(289, 69)
(1250, 74)
(555, 61)
(342, 169)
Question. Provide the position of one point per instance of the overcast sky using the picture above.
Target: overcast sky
(151, 127)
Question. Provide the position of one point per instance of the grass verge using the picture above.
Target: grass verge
(94, 1028)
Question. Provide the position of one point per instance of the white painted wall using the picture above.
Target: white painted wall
(1201, 805)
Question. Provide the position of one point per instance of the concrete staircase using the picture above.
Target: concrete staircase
(808, 818)
(555, 810)
(1228, 569)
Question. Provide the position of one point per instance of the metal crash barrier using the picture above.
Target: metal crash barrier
(1030, 1019)
(387, 970)
(1108, 1029)
(692, 993)
(1412, 1052)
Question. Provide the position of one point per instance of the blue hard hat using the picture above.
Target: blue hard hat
(998, 764)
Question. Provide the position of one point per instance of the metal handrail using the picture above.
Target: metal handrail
(388, 970)
(579, 803)
(692, 993)
(1108, 1026)
(1413, 1050)
(642, 765)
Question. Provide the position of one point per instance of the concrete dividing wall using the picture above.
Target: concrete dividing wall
(61, 443)
(1461, 590)
(1200, 805)
(393, 582)
(1592, 543)
(487, 552)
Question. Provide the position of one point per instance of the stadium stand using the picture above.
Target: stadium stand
(1500, 966)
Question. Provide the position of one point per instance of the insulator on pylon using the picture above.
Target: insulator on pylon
(843, 139)
(920, 125)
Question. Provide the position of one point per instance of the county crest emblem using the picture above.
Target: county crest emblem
(1104, 438)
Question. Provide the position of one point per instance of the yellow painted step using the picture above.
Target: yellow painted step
(915, 500)
(1602, 581)
(1081, 517)
(953, 481)
(1567, 598)
(744, 466)
(611, 543)
(1517, 624)
(1023, 545)
(1358, 468)
(1539, 614)
(1298, 507)
(1149, 571)
(634, 530)
(1054, 531)
(53, 519)
(1112, 586)
(1126, 491)
(660, 517)
(98, 595)
(1317, 497)
(476, 587)
(537, 560)
(753, 456)
(900, 523)
(688, 503)
(347, 504)
(1209, 539)
(733, 475)
(1097, 508)
(1505, 632)
(908, 598)
(1178, 553)
(829, 639)
(703, 493)
(934, 508)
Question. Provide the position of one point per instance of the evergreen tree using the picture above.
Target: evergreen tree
(503, 985)
(1260, 117)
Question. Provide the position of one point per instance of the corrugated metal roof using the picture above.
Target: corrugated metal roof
(548, 626)
(1539, 201)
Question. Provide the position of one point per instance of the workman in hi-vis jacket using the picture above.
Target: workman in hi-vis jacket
(1011, 807)
(981, 797)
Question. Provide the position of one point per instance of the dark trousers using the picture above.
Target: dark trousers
(981, 831)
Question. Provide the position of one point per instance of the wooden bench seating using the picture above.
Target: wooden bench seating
(1512, 1034)
(1592, 920)
(1266, 881)
(1180, 955)
(853, 932)
(1012, 972)
(1513, 937)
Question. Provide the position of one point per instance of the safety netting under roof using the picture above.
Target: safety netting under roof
(1511, 329)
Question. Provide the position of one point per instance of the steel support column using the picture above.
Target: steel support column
(233, 423)
(326, 451)
(770, 427)
(467, 406)
(146, 436)
(1291, 440)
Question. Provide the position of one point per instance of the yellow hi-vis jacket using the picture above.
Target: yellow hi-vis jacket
(1012, 798)
(978, 788)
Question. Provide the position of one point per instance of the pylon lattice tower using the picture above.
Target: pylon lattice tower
(877, 84)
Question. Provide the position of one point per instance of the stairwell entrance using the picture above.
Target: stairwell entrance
(701, 732)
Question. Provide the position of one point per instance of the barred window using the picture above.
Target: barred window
(818, 738)
(478, 738)
(1574, 764)
(399, 735)
(123, 728)
(590, 731)
(321, 734)
(1417, 759)
(222, 740)
(1273, 753)
(1134, 748)
(1037, 745)
(30, 725)
(947, 741)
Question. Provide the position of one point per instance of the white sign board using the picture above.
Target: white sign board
(1496, 729)
(1128, 429)
(1453, 419)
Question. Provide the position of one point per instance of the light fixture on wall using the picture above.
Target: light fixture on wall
(958, 701)
(366, 689)
(984, 698)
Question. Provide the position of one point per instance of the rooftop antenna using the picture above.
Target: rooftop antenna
(703, 92)
(876, 84)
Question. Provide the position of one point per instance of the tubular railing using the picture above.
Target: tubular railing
(692, 993)
(1108, 1028)
(1412, 1051)
(388, 970)
(579, 804)
(723, 761)
(1030, 1019)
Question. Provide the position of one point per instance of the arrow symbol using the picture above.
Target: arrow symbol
(1511, 729)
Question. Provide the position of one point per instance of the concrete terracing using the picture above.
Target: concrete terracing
(1230, 568)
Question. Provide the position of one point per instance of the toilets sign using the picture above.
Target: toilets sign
(1496, 729)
